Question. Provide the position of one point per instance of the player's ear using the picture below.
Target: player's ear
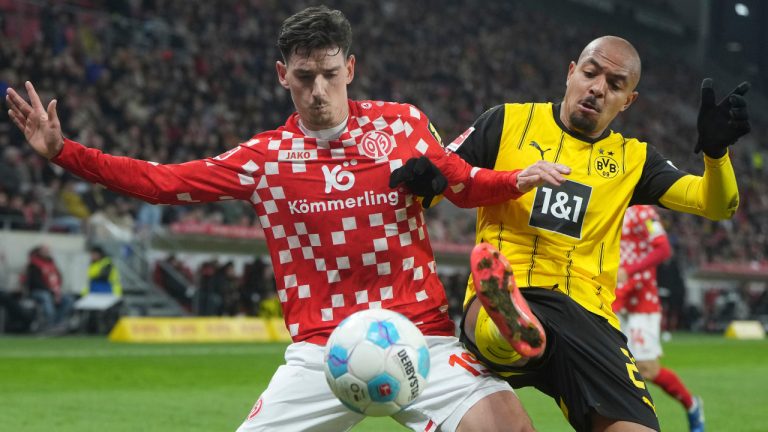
(630, 99)
(282, 71)
(571, 69)
(350, 68)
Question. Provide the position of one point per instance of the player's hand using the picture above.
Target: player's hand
(721, 124)
(540, 173)
(40, 126)
(421, 177)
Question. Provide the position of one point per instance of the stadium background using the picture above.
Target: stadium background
(169, 81)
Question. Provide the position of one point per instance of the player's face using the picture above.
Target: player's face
(318, 85)
(598, 88)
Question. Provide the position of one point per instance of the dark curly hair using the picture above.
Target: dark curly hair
(313, 28)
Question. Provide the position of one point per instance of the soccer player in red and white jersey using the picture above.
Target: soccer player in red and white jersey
(340, 238)
(644, 245)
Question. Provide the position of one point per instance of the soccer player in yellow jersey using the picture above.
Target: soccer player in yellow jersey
(561, 241)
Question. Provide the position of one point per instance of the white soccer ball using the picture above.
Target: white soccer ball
(376, 362)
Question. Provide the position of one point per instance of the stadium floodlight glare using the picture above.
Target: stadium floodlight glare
(741, 9)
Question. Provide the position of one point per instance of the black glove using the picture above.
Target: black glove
(421, 177)
(720, 125)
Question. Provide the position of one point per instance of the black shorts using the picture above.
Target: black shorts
(586, 366)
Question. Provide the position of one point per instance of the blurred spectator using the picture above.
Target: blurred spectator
(176, 279)
(17, 311)
(103, 275)
(44, 284)
(13, 177)
(270, 306)
(102, 296)
(71, 200)
(10, 217)
(63, 219)
(209, 299)
(34, 213)
(227, 283)
(672, 290)
(148, 218)
(111, 222)
(253, 286)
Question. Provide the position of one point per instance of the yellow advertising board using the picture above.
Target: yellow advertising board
(195, 329)
(745, 330)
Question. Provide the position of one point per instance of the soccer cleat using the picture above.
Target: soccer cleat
(497, 291)
(696, 415)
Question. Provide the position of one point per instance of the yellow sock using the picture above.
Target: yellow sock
(491, 343)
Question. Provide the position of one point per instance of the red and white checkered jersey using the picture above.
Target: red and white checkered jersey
(340, 238)
(644, 245)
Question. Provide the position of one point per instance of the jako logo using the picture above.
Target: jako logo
(337, 179)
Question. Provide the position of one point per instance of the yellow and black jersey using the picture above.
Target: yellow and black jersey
(567, 237)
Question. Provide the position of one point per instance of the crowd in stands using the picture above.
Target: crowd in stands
(176, 80)
(40, 302)
(216, 289)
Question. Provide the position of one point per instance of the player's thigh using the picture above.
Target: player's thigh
(643, 332)
(298, 398)
(588, 368)
(457, 382)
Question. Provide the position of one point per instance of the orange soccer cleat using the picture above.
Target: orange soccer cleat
(497, 291)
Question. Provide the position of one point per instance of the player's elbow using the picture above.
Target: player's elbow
(723, 212)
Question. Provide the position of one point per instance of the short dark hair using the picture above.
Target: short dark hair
(313, 28)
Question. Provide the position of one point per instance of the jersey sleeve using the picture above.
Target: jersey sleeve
(468, 186)
(479, 145)
(715, 195)
(223, 177)
(657, 176)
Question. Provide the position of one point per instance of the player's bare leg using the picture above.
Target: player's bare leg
(500, 411)
(502, 301)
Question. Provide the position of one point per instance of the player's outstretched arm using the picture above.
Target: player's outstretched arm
(41, 126)
(715, 195)
(473, 187)
(195, 181)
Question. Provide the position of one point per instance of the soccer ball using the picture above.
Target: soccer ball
(376, 362)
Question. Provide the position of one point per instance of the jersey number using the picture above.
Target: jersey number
(637, 380)
(468, 362)
(634, 374)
